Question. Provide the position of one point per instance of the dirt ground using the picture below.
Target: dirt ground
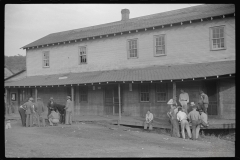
(99, 139)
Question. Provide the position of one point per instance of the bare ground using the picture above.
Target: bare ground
(105, 140)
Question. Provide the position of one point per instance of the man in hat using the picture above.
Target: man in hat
(39, 108)
(50, 105)
(182, 117)
(183, 100)
(69, 109)
(149, 120)
(29, 112)
(204, 101)
(195, 119)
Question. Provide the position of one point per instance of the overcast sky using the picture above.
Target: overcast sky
(25, 23)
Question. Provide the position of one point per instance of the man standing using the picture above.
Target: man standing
(69, 109)
(194, 118)
(22, 110)
(205, 102)
(149, 120)
(39, 107)
(29, 111)
(184, 99)
(182, 117)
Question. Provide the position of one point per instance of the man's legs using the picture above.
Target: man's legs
(67, 118)
(183, 129)
(27, 120)
(70, 117)
(194, 125)
(188, 130)
(197, 131)
(50, 121)
(205, 106)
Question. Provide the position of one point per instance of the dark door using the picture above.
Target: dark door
(112, 100)
(211, 91)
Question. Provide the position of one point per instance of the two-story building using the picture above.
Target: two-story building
(138, 64)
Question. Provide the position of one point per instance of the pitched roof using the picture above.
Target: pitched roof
(154, 20)
(153, 73)
(7, 72)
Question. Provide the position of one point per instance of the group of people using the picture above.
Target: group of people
(32, 113)
(179, 114)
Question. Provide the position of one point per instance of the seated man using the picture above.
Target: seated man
(53, 118)
(62, 112)
(149, 120)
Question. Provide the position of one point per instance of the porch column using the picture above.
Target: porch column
(6, 100)
(72, 95)
(36, 95)
(119, 98)
(174, 92)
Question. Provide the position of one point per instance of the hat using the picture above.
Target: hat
(68, 97)
(170, 101)
(51, 98)
(31, 99)
(192, 104)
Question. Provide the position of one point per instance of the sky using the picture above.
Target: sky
(26, 23)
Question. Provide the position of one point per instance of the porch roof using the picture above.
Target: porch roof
(153, 73)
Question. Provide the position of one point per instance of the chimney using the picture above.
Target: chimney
(125, 14)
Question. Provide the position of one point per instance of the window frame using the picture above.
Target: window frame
(81, 88)
(154, 45)
(211, 37)
(43, 60)
(128, 53)
(13, 96)
(156, 92)
(140, 93)
(79, 59)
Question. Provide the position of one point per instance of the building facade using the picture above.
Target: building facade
(137, 64)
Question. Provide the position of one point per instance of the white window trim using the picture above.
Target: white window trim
(154, 45)
(211, 35)
(128, 54)
(79, 63)
(44, 59)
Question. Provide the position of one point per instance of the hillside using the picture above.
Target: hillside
(15, 63)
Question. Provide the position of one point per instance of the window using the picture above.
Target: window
(13, 96)
(82, 55)
(161, 92)
(132, 48)
(83, 94)
(159, 48)
(46, 59)
(217, 38)
(144, 93)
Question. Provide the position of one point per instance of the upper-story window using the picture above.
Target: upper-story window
(46, 59)
(159, 45)
(82, 55)
(217, 38)
(132, 48)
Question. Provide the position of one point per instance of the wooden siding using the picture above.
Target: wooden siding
(227, 97)
(188, 43)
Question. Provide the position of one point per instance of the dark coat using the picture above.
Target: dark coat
(60, 108)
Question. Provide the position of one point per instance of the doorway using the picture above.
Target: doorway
(111, 102)
(211, 91)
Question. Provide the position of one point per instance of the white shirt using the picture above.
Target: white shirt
(184, 96)
(149, 117)
(181, 116)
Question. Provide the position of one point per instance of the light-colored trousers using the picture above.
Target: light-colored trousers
(55, 121)
(68, 118)
(40, 119)
(185, 125)
(149, 125)
(184, 106)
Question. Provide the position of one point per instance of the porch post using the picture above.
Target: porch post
(119, 98)
(6, 100)
(72, 95)
(36, 95)
(174, 92)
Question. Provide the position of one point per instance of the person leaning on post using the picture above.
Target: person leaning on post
(204, 101)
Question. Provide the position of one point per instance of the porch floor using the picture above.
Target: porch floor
(138, 121)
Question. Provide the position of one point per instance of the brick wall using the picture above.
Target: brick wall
(227, 98)
(184, 44)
